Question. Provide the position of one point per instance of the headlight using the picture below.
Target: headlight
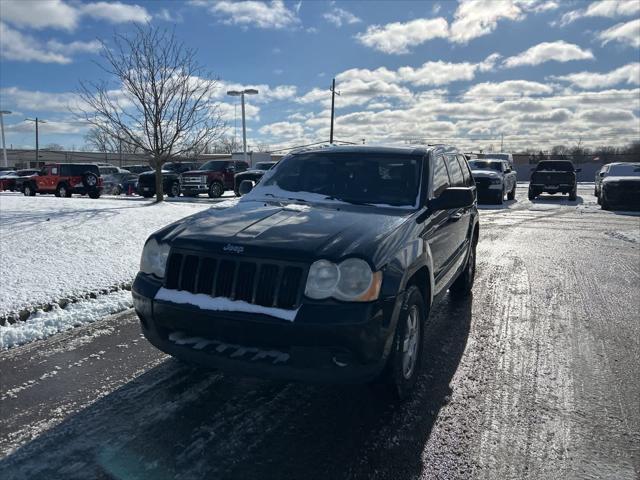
(496, 180)
(154, 258)
(352, 280)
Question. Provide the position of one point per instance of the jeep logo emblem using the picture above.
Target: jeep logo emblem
(233, 248)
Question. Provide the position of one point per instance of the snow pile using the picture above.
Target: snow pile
(64, 248)
(44, 324)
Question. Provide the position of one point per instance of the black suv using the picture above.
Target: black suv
(170, 179)
(325, 271)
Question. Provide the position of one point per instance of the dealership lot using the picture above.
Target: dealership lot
(532, 377)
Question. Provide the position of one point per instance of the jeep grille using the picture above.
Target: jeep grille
(260, 282)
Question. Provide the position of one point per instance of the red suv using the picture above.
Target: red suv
(214, 177)
(65, 179)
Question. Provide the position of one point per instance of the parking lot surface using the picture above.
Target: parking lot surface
(534, 376)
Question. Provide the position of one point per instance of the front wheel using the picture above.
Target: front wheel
(573, 195)
(216, 190)
(405, 360)
(464, 283)
(512, 194)
(29, 190)
(532, 195)
(174, 190)
(94, 194)
(500, 198)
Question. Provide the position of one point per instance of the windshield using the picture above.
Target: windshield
(485, 165)
(630, 170)
(352, 178)
(558, 166)
(214, 166)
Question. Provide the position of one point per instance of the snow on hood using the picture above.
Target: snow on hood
(620, 179)
(484, 174)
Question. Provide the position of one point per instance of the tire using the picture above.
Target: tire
(512, 194)
(463, 285)
(117, 190)
(573, 195)
(500, 198)
(29, 190)
(595, 192)
(237, 193)
(94, 194)
(89, 180)
(532, 195)
(405, 360)
(147, 195)
(63, 191)
(603, 203)
(216, 189)
(599, 200)
(174, 190)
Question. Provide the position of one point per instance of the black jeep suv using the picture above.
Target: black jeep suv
(325, 271)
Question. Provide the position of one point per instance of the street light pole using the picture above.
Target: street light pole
(241, 94)
(4, 146)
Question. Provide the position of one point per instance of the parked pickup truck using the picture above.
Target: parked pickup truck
(325, 271)
(64, 179)
(212, 178)
(620, 186)
(494, 179)
(553, 176)
(170, 179)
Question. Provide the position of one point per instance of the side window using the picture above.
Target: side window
(440, 176)
(468, 180)
(44, 171)
(54, 170)
(455, 172)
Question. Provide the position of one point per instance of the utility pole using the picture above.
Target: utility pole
(502, 142)
(36, 121)
(241, 94)
(333, 101)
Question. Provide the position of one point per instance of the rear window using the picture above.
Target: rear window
(77, 169)
(555, 165)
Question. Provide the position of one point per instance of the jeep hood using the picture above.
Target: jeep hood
(291, 231)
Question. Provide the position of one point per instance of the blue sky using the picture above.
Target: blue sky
(534, 72)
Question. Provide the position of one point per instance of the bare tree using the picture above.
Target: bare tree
(98, 140)
(227, 144)
(162, 101)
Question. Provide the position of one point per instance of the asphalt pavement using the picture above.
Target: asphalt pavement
(533, 377)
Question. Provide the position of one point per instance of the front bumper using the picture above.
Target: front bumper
(625, 196)
(194, 189)
(330, 343)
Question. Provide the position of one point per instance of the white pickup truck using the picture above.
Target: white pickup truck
(494, 179)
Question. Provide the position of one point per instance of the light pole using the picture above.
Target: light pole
(36, 120)
(4, 146)
(241, 94)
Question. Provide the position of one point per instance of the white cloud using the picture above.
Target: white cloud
(608, 115)
(339, 16)
(252, 13)
(559, 51)
(442, 73)
(116, 12)
(25, 48)
(603, 8)
(508, 88)
(265, 94)
(398, 37)
(629, 74)
(68, 49)
(41, 14)
(626, 33)
(475, 18)
(283, 130)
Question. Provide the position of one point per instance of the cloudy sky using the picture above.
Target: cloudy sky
(534, 72)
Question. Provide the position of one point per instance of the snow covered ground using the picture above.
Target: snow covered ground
(55, 248)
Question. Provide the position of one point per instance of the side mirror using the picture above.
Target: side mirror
(601, 174)
(453, 197)
(245, 187)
